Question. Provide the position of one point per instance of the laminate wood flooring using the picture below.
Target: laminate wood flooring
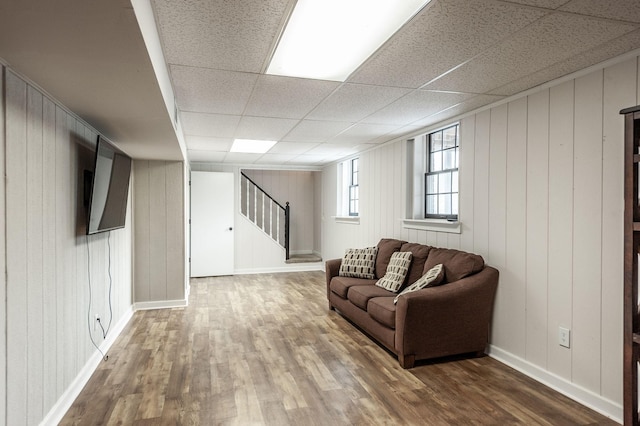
(265, 350)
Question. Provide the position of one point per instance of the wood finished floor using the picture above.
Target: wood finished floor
(265, 350)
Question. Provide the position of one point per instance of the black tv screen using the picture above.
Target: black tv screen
(109, 188)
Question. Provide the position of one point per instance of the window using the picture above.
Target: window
(348, 206)
(441, 177)
(354, 197)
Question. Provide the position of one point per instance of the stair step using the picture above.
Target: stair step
(303, 258)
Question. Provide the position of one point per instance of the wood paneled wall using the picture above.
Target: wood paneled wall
(541, 199)
(57, 277)
(297, 187)
(159, 233)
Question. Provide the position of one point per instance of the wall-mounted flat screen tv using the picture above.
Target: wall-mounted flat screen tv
(109, 188)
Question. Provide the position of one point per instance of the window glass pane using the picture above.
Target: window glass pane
(356, 209)
(436, 141)
(449, 138)
(436, 162)
(457, 158)
(354, 165)
(432, 204)
(354, 178)
(444, 204)
(454, 181)
(444, 182)
(454, 204)
(432, 184)
(449, 159)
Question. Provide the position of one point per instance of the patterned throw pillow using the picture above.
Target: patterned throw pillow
(433, 277)
(396, 271)
(359, 263)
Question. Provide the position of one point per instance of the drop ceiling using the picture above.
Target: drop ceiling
(452, 57)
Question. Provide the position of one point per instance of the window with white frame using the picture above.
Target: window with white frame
(441, 176)
(348, 188)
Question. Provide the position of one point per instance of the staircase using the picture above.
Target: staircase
(270, 216)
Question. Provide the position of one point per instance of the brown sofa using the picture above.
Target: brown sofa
(453, 318)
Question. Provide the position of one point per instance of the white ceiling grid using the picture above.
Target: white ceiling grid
(452, 57)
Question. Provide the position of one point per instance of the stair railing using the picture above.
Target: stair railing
(265, 212)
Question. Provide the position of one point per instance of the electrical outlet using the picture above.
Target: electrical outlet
(564, 337)
(95, 323)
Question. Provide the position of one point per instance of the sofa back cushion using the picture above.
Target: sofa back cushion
(419, 256)
(386, 247)
(457, 264)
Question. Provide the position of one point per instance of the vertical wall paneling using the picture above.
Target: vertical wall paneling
(498, 187)
(142, 212)
(17, 298)
(617, 81)
(587, 225)
(481, 184)
(159, 237)
(3, 282)
(537, 227)
(34, 193)
(47, 342)
(467, 171)
(560, 255)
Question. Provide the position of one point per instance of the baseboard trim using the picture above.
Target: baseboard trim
(292, 267)
(60, 408)
(602, 405)
(160, 304)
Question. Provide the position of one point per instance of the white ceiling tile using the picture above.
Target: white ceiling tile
(286, 97)
(275, 159)
(363, 132)
(308, 160)
(444, 35)
(415, 106)
(316, 131)
(622, 10)
(294, 148)
(469, 105)
(241, 158)
(264, 128)
(206, 156)
(206, 143)
(353, 102)
(551, 39)
(326, 149)
(549, 4)
(214, 91)
(222, 34)
(616, 47)
(209, 125)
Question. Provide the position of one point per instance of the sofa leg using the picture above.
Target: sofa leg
(406, 361)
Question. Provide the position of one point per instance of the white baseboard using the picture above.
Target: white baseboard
(293, 267)
(602, 405)
(60, 408)
(160, 304)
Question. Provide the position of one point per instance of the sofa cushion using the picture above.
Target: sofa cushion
(457, 264)
(383, 310)
(419, 253)
(386, 247)
(360, 295)
(434, 277)
(396, 271)
(359, 263)
(341, 285)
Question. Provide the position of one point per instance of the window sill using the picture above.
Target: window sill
(437, 225)
(353, 220)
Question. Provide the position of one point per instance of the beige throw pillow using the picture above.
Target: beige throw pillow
(396, 271)
(359, 263)
(433, 277)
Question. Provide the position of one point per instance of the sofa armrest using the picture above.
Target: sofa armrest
(332, 269)
(449, 319)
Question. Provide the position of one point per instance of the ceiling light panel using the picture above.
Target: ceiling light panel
(329, 39)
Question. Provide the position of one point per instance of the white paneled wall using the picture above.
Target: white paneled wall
(540, 199)
(57, 277)
(160, 279)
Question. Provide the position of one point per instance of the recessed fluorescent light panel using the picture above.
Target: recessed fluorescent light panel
(251, 146)
(329, 39)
